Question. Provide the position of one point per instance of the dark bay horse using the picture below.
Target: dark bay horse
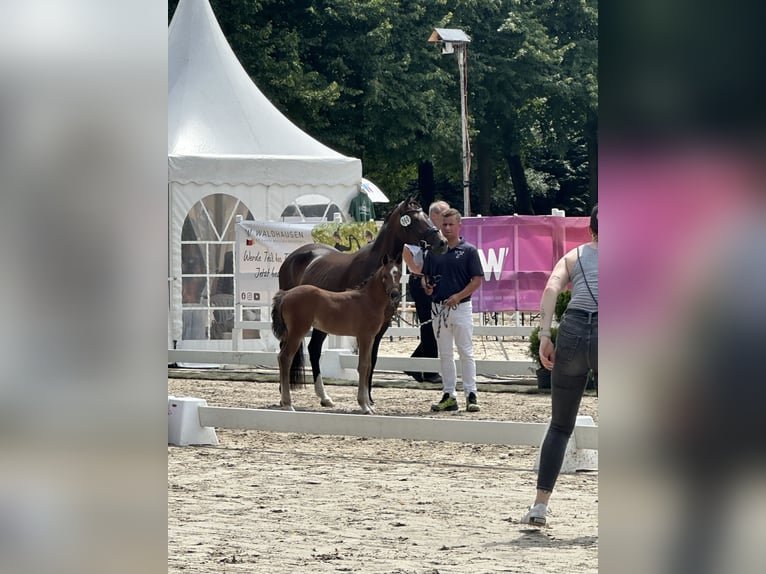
(324, 266)
(359, 313)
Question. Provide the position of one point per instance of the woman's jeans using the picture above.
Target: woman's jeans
(576, 354)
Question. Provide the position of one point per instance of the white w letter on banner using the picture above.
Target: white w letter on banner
(493, 264)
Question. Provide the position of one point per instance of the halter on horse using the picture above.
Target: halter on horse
(360, 313)
(324, 266)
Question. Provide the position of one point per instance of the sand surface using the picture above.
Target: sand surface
(285, 502)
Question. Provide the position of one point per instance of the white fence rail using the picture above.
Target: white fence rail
(414, 331)
(192, 422)
(375, 426)
(341, 364)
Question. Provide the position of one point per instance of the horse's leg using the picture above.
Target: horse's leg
(364, 367)
(315, 351)
(373, 360)
(286, 353)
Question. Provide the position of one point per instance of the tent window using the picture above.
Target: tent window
(313, 210)
(207, 274)
(332, 209)
(312, 207)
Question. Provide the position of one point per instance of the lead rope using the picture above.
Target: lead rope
(406, 322)
(442, 313)
(441, 317)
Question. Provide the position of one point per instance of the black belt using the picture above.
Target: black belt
(590, 315)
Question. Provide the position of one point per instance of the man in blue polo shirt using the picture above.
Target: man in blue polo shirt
(450, 280)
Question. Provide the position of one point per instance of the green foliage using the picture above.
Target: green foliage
(562, 302)
(352, 235)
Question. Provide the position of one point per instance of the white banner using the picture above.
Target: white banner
(262, 246)
(260, 249)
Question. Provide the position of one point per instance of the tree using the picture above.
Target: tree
(525, 111)
(360, 76)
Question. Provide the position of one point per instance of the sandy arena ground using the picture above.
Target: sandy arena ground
(286, 503)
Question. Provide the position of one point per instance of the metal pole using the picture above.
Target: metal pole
(461, 62)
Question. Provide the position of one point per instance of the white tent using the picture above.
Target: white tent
(230, 152)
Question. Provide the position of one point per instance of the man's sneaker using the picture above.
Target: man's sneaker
(448, 403)
(472, 406)
(535, 515)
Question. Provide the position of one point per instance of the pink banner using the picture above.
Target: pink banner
(518, 253)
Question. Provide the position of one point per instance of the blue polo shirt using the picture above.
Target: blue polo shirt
(454, 270)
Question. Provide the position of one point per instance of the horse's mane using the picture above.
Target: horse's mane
(364, 281)
(401, 206)
(371, 275)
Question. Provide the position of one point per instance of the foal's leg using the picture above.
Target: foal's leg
(374, 359)
(287, 351)
(364, 368)
(315, 351)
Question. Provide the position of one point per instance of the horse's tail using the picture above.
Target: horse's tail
(278, 326)
(298, 370)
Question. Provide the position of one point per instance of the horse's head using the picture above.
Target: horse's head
(390, 274)
(415, 228)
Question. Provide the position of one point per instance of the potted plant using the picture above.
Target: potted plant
(543, 374)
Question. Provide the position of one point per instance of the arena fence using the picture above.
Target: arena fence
(342, 363)
(191, 421)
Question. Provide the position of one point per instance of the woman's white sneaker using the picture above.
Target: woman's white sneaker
(536, 515)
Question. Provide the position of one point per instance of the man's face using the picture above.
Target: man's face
(450, 228)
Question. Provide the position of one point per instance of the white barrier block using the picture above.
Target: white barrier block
(331, 367)
(575, 459)
(183, 422)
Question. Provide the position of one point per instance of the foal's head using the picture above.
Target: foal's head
(390, 274)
